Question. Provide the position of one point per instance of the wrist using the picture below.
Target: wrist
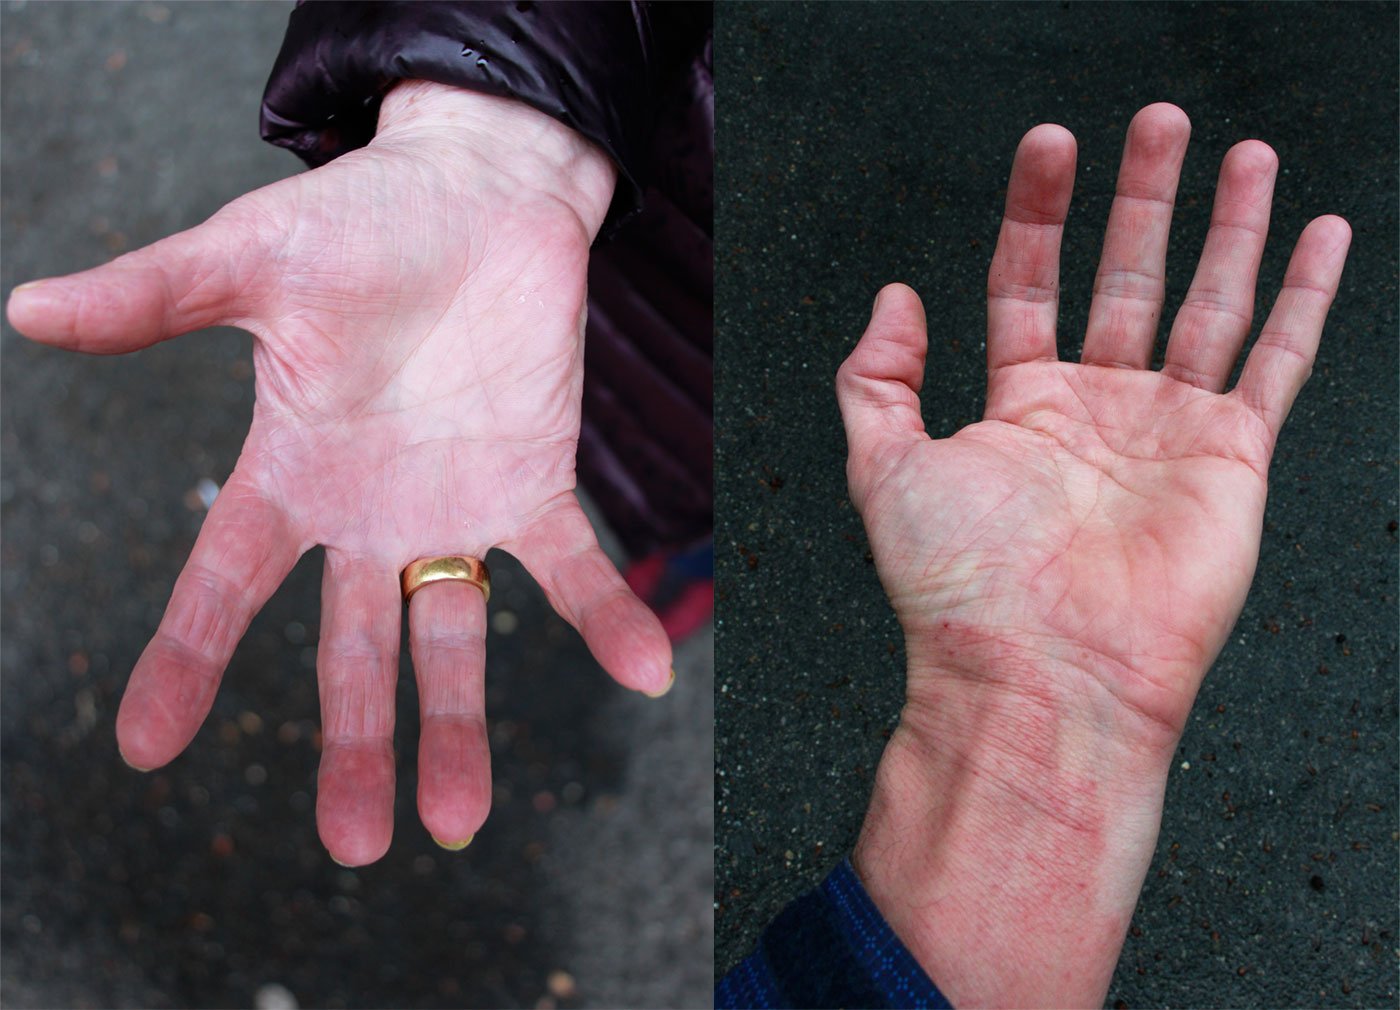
(525, 150)
(1008, 836)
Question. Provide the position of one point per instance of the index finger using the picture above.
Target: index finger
(1023, 285)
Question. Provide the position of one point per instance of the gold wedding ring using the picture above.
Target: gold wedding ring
(448, 569)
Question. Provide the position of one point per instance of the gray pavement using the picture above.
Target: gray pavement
(204, 883)
(862, 144)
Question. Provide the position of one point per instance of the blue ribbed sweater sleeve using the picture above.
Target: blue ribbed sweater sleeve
(830, 948)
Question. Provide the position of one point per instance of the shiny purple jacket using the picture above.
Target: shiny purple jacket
(635, 78)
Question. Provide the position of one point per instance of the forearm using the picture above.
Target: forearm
(512, 140)
(1006, 842)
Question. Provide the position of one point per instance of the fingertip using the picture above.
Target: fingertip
(355, 803)
(454, 777)
(352, 855)
(665, 690)
(26, 305)
(898, 303)
(1048, 142)
(893, 344)
(1163, 115)
(629, 643)
(1334, 228)
(147, 738)
(1156, 142)
(1042, 176)
(1253, 156)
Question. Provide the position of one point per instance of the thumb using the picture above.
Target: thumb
(189, 281)
(877, 387)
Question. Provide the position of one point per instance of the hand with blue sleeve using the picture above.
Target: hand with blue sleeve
(1067, 569)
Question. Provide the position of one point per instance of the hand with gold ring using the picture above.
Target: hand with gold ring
(417, 309)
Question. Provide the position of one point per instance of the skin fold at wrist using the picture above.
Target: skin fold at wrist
(522, 149)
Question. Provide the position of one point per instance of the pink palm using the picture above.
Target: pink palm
(418, 311)
(1106, 518)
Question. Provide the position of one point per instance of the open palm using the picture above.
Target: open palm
(1067, 568)
(418, 310)
(1097, 532)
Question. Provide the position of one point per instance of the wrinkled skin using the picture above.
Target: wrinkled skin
(418, 310)
(1067, 569)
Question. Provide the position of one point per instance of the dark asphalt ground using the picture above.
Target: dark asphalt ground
(205, 883)
(865, 144)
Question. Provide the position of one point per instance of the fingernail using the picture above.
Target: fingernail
(26, 286)
(876, 307)
(337, 862)
(454, 846)
(133, 767)
(669, 684)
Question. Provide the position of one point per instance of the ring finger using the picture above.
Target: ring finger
(447, 636)
(1214, 320)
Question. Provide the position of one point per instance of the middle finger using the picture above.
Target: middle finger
(357, 665)
(1131, 282)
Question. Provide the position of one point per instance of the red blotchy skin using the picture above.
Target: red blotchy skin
(1067, 569)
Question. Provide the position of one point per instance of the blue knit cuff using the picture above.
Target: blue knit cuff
(830, 948)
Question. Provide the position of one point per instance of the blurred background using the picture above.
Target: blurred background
(204, 883)
(876, 143)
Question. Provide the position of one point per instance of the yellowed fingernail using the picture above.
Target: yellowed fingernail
(136, 768)
(669, 684)
(26, 286)
(454, 846)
